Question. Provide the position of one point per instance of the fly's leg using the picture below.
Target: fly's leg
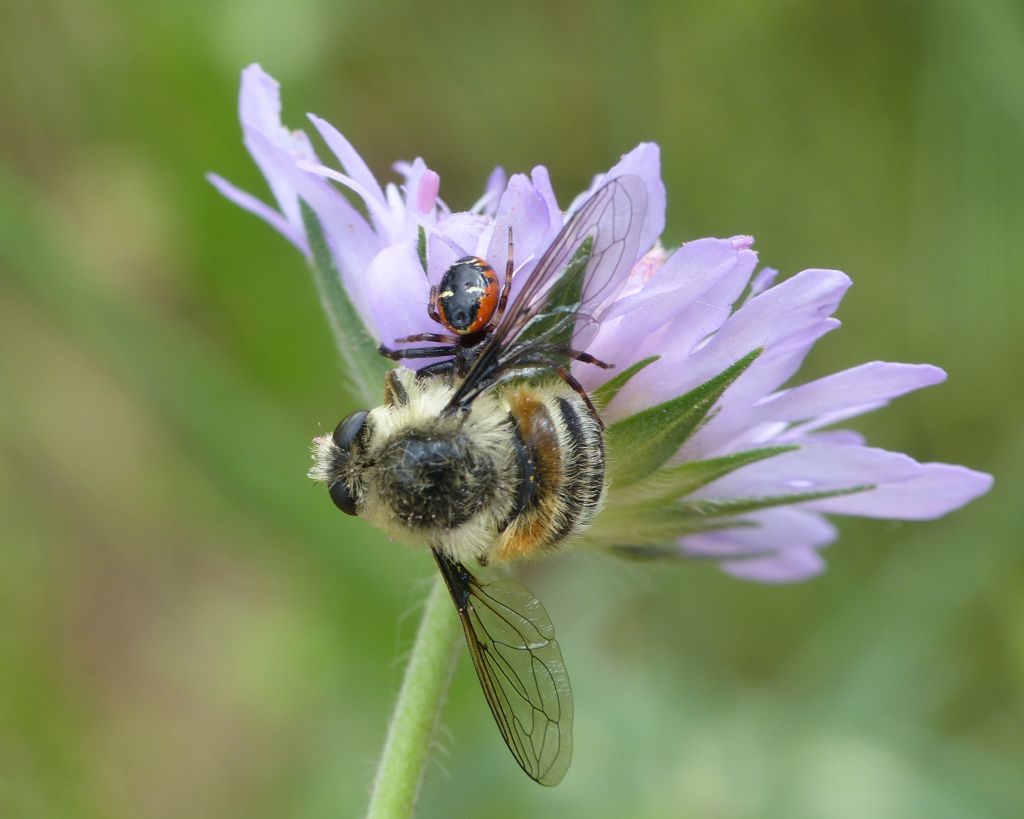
(586, 358)
(438, 368)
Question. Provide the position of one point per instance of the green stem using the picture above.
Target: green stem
(418, 709)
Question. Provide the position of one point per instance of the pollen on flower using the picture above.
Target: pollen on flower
(650, 262)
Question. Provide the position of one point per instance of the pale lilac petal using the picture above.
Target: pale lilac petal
(707, 313)
(351, 240)
(259, 108)
(389, 217)
(688, 273)
(453, 237)
(525, 209)
(636, 326)
(259, 102)
(255, 206)
(786, 310)
(762, 281)
(643, 161)
(396, 269)
(840, 437)
(813, 468)
(542, 184)
(645, 270)
(790, 309)
(349, 158)
(790, 566)
(871, 383)
(421, 188)
(735, 426)
(773, 530)
(940, 489)
(442, 252)
(496, 183)
(799, 432)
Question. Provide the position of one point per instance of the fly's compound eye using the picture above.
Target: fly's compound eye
(347, 431)
(343, 498)
(345, 436)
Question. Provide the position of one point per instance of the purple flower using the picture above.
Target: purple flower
(760, 466)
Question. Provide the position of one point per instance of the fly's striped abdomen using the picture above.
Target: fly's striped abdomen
(560, 449)
(582, 486)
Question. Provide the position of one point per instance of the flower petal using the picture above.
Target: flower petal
(790, 309)
(773, 530)
(692, 270)
(872, 383)
(938, 490)
(390, 216)
(259, 101)
(349, 158)
(814, 468)
(736, 425)
(421, 188)
(842, 437)
(643, 161)
(689, 296)
(525, 209)
(396, 289)
(707, 313)
(764, 279)
(259, 108)
(789, 566)
(542, 184)
(778, 314)
(351, 240)
(496, 183)
(453, 237)
(257, 207)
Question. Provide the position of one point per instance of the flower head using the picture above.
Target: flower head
(711, 454)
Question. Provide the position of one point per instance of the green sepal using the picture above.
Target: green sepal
(641, 443)
(364, 366)
(421, 247)
(560, 306)
(645, 526)
(646, 553)
(672, 482)
(604, 394)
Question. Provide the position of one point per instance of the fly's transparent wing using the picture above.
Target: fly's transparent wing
(517, 659)
(587, 263)
(577, 277)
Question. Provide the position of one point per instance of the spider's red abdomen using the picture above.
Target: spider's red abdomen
(467, 296)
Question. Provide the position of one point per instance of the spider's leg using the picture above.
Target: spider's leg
(507, 286)
(416, 352)
(440, 338)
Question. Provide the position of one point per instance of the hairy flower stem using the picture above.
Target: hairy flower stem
(418, 709)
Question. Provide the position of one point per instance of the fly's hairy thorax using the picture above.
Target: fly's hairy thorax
(520, 473)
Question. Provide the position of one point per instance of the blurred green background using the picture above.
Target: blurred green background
(189, 628)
